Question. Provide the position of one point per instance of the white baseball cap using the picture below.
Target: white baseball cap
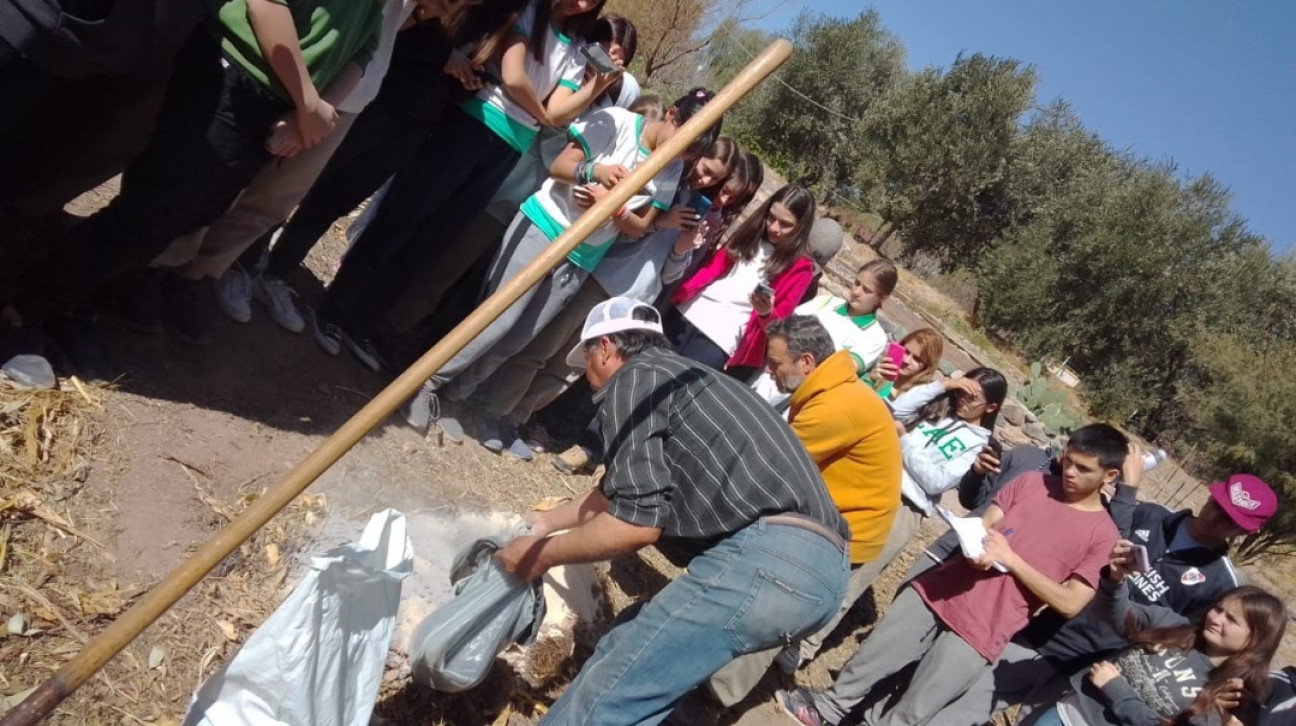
(613, 316)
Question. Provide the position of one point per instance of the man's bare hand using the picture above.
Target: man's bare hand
(521, 558)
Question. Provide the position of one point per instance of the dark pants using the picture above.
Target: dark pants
(691, 343)
(208, 144)
(447, 181)
(384, 137)
(24, 86)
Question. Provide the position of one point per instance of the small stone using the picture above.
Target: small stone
(1013, 413)
(17, 624)
(1037, 432)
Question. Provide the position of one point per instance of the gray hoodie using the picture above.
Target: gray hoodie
(1153, 685)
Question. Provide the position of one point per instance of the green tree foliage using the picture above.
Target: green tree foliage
(1242, 413)
(1178, 319)
(938, 154)
(844, 66)
(1116, 271)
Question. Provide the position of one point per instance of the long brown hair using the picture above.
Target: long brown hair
(1267, 619)
(725, 150)
(932, 346)
(486, 25)
(577, 27)
(748, 174)
(746, 240)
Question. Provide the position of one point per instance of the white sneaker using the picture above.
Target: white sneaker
(234, 294)
(277, 297)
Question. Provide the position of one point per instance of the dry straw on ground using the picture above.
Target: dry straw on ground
(55, 595)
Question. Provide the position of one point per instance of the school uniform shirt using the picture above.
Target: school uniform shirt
(986, 607)
(861, 336)
(551, 141)
(635, 267)
(607, 136)
(332, 34)
(936, 455)
(394, 13)
(563, 65)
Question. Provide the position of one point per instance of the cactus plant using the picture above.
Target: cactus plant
(1057, 420)
(1047, 401)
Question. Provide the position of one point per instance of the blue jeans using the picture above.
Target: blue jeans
(765, 585)
(1050, 717)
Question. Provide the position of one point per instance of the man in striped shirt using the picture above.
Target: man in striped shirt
(700, 466)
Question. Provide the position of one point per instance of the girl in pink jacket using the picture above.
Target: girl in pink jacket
(760, 275)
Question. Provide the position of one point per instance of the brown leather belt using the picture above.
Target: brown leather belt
(813, 525)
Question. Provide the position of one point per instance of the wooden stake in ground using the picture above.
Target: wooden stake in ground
(151, 606)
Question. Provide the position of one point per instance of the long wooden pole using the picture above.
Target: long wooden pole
(150, 607)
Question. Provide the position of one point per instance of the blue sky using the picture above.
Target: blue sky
(1211, 85)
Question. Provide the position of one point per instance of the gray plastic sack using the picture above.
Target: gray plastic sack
(319, 658)
(453, 649)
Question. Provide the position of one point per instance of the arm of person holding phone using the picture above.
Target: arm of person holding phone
(276, 34)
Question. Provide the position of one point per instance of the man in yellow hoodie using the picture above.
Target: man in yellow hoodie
(850, 435)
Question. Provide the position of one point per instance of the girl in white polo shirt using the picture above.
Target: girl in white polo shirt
(605, 145)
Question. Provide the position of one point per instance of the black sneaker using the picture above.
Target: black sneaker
(327, 335)
(141, 304)
(187, 313)
(364, 351)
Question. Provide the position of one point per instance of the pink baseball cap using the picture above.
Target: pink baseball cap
(1248, 501)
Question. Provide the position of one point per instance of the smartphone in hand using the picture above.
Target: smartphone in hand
(996, 446)
(599, 59)
(895, 354)
(763, 288)
(488, 76)
(701, 205)
(1139, 554)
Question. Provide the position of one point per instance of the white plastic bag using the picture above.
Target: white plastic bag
(319, 658)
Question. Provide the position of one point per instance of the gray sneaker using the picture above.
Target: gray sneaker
(501, 437)
(789, 659)
(451, 429)
(422, 408)
(234, 294)
(278, 299)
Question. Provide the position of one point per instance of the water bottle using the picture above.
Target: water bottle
(1152, 458)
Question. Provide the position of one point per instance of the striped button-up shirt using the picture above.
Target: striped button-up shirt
(698, 455)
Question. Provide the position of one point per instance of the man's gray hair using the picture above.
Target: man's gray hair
(803, 334)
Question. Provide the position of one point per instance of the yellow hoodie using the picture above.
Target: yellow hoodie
(849, 433)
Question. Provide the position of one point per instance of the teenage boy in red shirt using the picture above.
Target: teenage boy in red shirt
(1048, 540)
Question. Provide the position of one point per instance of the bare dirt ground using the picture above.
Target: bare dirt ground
(188, 436)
